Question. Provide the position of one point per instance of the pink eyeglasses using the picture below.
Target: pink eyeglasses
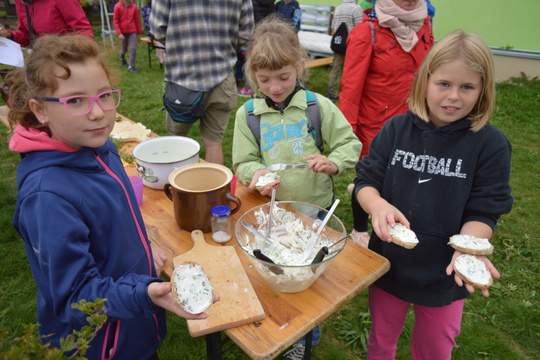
(82, 104)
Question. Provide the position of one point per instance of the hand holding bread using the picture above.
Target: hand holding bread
(264, 181)
(267, 179)
(403, 236)
(470, 264)
(191, 288)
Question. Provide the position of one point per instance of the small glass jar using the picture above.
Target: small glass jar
(221, 223)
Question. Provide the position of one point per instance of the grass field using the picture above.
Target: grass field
(503, 326)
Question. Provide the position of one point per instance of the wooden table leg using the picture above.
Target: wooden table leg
(309, 338)
(215, 346)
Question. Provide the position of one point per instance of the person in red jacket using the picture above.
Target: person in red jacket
(57, 17)
(127, 23)
(384, 52)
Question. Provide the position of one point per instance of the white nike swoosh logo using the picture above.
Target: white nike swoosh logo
(420, 181)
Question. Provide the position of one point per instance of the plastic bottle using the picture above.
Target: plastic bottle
(221, 223)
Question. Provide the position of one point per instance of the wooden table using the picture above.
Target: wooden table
(152, 46)
(288, 316)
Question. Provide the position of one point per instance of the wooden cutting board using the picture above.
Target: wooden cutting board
(239, 303)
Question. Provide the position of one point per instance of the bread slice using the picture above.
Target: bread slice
(402, 236)
(191, 288)
(469, 244)
(473, 271)
(129, 131)
(266, 180)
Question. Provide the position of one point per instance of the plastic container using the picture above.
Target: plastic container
(221, 223)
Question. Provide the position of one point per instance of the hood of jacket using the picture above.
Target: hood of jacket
(85, 239)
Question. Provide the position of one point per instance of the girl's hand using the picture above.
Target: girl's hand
(266, 190)
(160, 294)
(450, 268)
(159, 259)
(321, 164)
(5, 33)
(384, 214)
(121, 36)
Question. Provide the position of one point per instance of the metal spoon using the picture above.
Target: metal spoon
(254, 231)
(311, 245)
(270, 214)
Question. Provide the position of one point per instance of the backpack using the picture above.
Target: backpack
(313, 115)
(338, 44)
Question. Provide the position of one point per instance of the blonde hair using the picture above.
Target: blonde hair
(475, 54)
(273, 45)
(38, 77)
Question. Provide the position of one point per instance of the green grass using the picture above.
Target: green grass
(503, 326)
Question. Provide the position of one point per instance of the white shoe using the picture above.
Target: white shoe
(350, 188)
(295, 353)
(361, 238)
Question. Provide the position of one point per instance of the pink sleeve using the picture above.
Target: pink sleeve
(20, 36)
(75, 17)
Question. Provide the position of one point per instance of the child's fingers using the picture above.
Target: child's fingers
(491, 268)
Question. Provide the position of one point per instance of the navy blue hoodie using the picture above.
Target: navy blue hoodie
(85, 239)
(439, 178)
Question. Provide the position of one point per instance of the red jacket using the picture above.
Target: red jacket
(378, 75)
(51, 17)
(126, 19)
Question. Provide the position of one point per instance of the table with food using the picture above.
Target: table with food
(281, 256)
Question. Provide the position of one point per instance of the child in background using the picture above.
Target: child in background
(289, 10)
(440, 169)
(76, 210)
(275, 64)
(127, 23)
(146, 10)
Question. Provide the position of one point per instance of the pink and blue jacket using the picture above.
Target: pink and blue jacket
(85, 239)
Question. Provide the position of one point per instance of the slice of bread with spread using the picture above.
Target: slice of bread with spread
(266, 180)
(473, 271)
(469, 244)
(402, 236)
(191, 288)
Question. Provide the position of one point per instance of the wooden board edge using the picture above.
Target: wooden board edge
(197, 333)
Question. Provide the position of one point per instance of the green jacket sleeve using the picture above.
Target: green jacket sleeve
(246, 154)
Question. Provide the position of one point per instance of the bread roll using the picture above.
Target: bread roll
(402, 236)
(473, 271)
(191, 288)
(266, 180)
(469, 244)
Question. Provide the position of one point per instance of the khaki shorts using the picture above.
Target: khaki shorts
(218, 104)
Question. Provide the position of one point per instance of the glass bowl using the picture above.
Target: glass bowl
(285, 264)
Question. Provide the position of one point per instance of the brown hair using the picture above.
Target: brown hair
(38, 77)
(473, 51)
(273, 45)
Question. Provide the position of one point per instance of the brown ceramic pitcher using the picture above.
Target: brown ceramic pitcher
(195, 189)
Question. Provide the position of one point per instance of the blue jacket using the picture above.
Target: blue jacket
(85, 239)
